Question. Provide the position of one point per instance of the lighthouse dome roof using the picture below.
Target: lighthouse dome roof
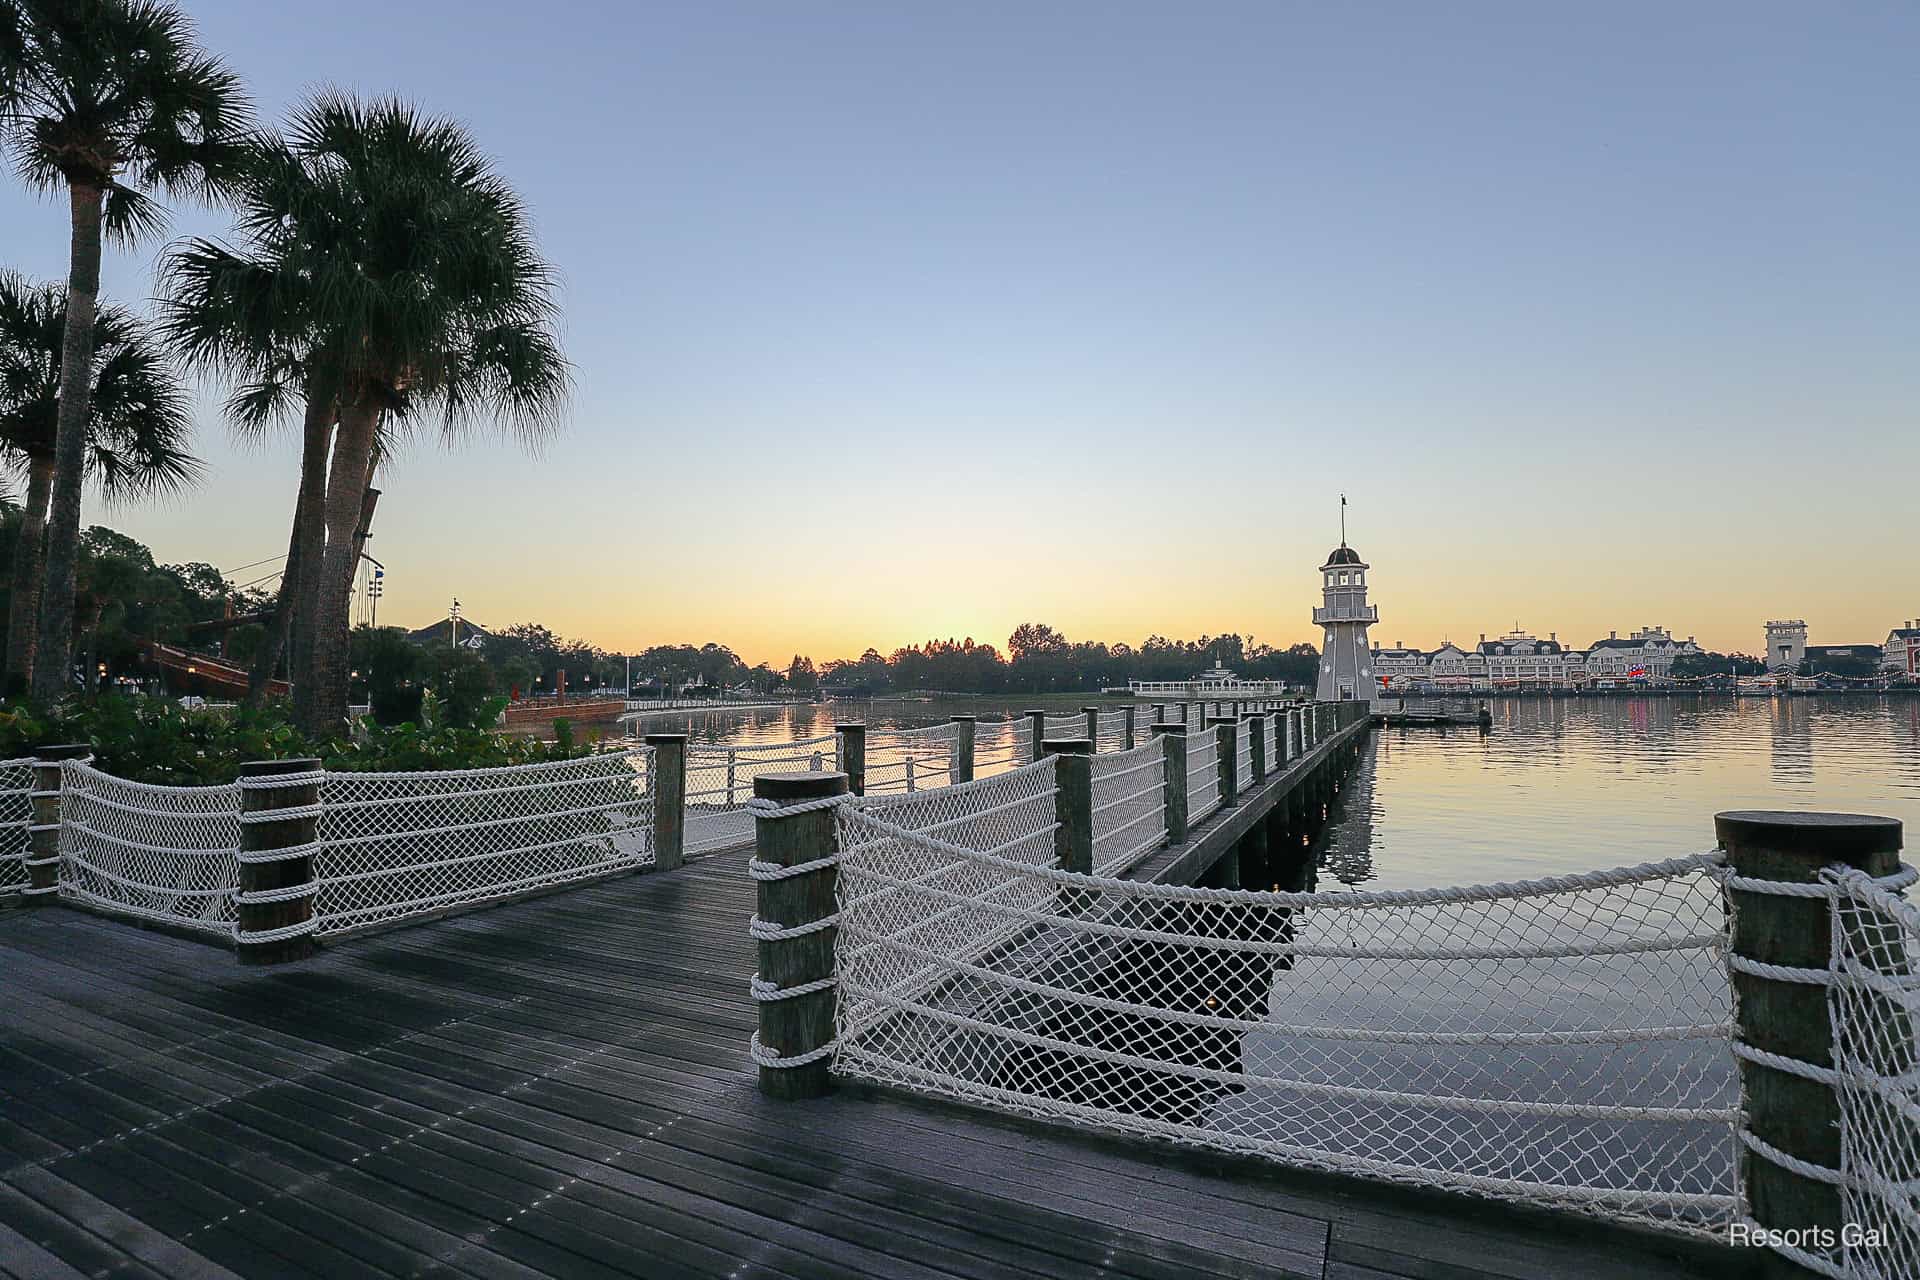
(1343, 555)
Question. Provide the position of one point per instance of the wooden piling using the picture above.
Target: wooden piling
(965, 731)
(1173, 737)
(668, 771)
(853, 756)
(1800, 1117)
(1038, 719)
(794, 948)
(279, 835)
(1093, 725)
(1226, 735)
(1257, 739)
(1126, 723)
(1073, 804)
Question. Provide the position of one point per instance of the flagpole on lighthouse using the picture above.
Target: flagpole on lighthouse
(1343, 519)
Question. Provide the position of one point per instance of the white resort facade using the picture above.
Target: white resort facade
(1519, 659)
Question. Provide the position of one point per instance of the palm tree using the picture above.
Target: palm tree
(382, 260)
(138, 425)
(108, 100)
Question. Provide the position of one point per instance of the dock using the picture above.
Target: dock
(561, 1086)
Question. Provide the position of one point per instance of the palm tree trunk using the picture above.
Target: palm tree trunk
(29, 563)
(325, 710)
(305, 547)
(52, 669)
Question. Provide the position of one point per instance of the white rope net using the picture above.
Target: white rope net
(1066, 727)
(1271, 742)
(1873, 998)
(1243, 755)
(402, 844)
(1000, 745)
(16, 814)
(918, 905)
(904, 761)
(720, 782)
(1561, 1043)
(1113, 731)
(165, 854)
(1129, 806)
(1203, 772)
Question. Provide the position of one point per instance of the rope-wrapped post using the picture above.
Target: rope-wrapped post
(279, 834)
(853, 756)
(1784, 1014)
(1126, 725)
(1173, 738)
(1037, 719)
(1257, 739)
(43, 834)
(1226, 732)
(1073, 803)
(667, 771)
(965, 730)
(795, 871)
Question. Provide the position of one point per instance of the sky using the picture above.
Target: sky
(893, 322)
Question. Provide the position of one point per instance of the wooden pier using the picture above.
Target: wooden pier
(561, 1087)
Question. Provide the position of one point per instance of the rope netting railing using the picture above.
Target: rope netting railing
(905, 761)
(1271, 742)
(976, 908)
(163, 854)
(16, 816)
(1129, 806)
(394, 845)
(1560, 1042)
(1873, 1004)
(1113, 731)
(1243, 754)
(1065, 727)
(1203, 772)
(1000, 745)
(720, 782)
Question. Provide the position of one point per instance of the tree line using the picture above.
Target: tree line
(380, 278)
(1039, 659)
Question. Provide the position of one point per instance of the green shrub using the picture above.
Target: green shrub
(159, 741)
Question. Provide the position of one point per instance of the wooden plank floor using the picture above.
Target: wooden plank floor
(560, 1087)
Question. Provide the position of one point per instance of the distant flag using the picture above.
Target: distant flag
(1636, 672)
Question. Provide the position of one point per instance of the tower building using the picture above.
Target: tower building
(1346, 664)
(1786, 644)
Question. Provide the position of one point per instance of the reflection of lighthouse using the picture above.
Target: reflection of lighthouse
(1346, 667)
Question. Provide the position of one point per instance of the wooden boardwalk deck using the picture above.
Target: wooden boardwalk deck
(560, 1087)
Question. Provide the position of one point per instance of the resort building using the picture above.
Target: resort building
(1648, 652)
(1521, 660)
(1901, 653)
(1786, 644)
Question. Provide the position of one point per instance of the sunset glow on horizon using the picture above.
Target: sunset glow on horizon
(895, 324)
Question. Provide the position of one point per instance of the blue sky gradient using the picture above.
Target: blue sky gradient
(894, 321)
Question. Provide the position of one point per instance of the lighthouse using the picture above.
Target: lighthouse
(1346, 666)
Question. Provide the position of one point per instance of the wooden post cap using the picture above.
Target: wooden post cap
(665, 739)
(1827, 837)
(968, 718)
(798, 786)
(74, 751)
(280, 768)
(1067, 746)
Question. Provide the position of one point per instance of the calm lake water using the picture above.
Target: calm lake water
(1559, 785)
(1570, 784)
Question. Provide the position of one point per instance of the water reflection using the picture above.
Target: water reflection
(1574, 784)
